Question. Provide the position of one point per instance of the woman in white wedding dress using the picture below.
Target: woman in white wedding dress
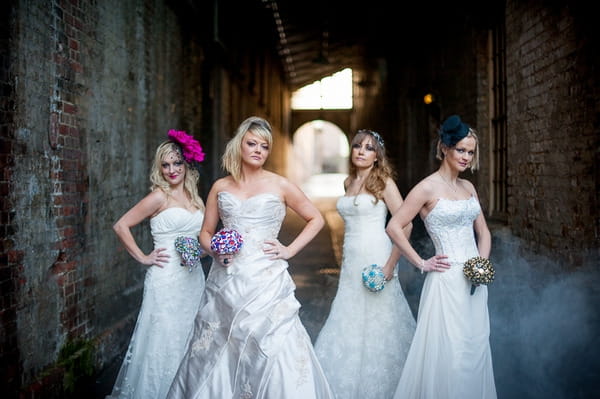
(171, 292)
(248, 340)
(450, 355)
(365, 339)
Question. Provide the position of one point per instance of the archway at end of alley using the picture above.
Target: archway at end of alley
(319, 159)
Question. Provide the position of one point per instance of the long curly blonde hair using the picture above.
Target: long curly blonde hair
(382, 169)
(192, 177)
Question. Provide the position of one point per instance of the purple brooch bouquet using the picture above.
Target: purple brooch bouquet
(226, 242)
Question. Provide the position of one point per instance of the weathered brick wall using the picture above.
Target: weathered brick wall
(90, 89)
(481, 120)
(552, 112)
(10, 258)
(553, 119)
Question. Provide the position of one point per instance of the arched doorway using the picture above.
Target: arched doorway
(319, 161)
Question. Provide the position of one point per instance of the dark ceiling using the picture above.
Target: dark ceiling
(316, 38)
(320, 37)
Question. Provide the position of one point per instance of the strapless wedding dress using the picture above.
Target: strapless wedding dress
(365, 339)
(170, 303)
(248, 340)
(450, 355)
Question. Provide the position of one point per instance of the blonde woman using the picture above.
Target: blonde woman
(450, 355)
(248, 340)
(171, 292)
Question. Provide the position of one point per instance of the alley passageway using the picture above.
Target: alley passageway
(517, 323)
(315, 270)
(90, 88)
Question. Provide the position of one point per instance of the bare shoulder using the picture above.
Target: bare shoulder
(347, 181)
(424, 194)
(391, 188)
(283, 183)
(156, 197)
(427, 186)
(273, 179)
(468, 186)
(151, 204)
(222, 184)
(268, 175)
(287, 189)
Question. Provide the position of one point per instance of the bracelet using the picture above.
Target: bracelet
(422, 265)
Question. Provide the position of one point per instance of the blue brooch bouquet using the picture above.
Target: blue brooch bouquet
(373, 278)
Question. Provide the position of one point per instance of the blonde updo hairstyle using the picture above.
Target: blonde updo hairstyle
(382, 168)
(192, 176)
(232, 157)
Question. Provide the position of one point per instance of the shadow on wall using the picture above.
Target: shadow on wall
(545, 323)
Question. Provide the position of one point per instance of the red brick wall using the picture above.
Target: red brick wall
(68, 168)
(552, 58)
(552, 113)
(87, 91)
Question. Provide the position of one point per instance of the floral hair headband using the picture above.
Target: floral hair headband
(190, 147)
(375, 135)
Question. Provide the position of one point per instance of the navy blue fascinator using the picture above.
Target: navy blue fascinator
(453, 130)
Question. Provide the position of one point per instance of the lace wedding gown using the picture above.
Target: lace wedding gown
(450, 354)
(170, 303)
(248, 340)
(364, 341)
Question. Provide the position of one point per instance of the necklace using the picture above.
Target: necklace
(358, 193)
(448, 183)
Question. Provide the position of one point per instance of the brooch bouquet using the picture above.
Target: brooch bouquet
(190, 251)
(226, 242)
(479, 271)
(373, 278)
